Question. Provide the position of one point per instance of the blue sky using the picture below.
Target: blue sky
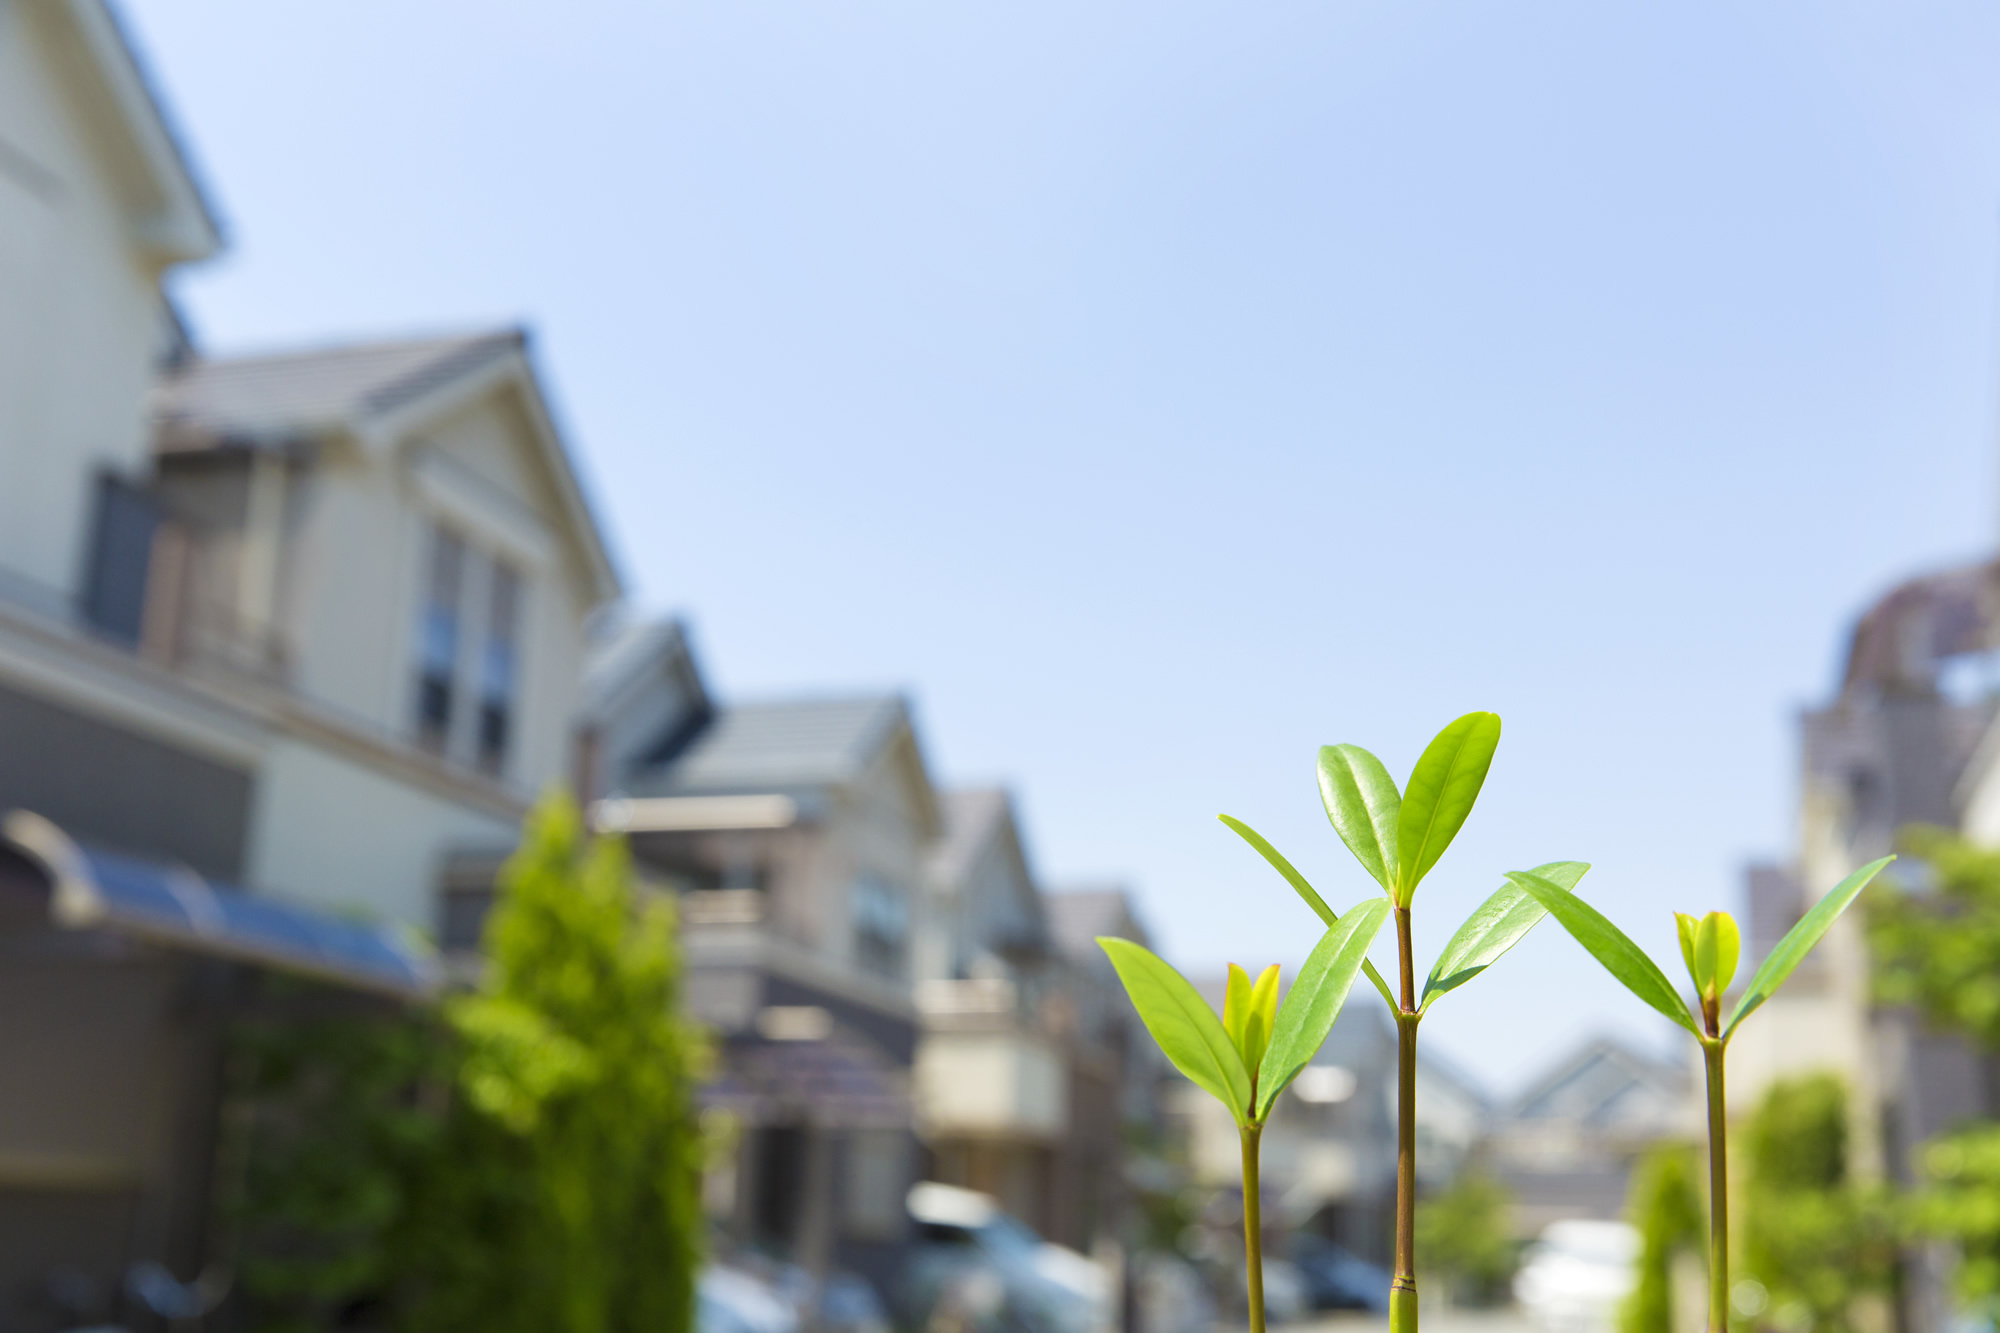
(1159, 391)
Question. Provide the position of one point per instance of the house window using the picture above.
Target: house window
(499, 668)
(437, 639)
(881, 927)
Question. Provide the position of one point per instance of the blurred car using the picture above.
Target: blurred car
(1576, 1275)
(976, 1268)
(847, 1303)
(1336, 1278)
(729, 1300)
(1285, 1293)
(1170, 1295)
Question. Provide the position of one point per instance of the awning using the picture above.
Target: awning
(837, 1081)
(171, 905)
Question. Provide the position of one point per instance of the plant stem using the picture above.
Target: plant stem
(1253, 1228)
(1712, 1051)
(1403, 1290)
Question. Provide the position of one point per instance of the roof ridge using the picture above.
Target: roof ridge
(347, 346)
(449, 365)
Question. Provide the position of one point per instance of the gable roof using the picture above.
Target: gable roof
(373, 391)
(973, 817)
(1605, 1084)
(170, 216)
(789, 745)
(249, 401)
(628, 657)
(1078, 916)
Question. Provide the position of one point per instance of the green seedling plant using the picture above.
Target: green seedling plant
(1710, 946)
(1246, 1057)
(1398, 837)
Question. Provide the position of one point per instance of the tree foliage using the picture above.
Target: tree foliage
(1939, 952)
(1463, 1239)
(524, 1157)
(1665, 1205)
(1812, 1238)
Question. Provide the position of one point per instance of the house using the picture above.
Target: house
(1030, 1068)
(1566, 1145)
(1115, 1067)
(1911, 736)
(286, 646)
(992, 1067)
(798, 835)
(383, 549)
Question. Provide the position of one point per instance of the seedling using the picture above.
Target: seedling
(1398, 836)
(1710, 946)
(1246, 1057)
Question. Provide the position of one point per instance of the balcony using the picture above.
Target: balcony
(983, 1071)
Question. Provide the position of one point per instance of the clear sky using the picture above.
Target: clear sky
(1159, 391)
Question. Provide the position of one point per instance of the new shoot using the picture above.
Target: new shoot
(1710, 946)
(1398, 837)
(1256, 1048)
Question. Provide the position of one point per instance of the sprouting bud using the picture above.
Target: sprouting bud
(1249, 1010)
(1710, 945)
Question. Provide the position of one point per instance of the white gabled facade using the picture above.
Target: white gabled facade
(95, 205)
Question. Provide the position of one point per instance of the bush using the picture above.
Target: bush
(1815, 1241)
(1665, 1205)
(1463, 1239)
(524, 1157)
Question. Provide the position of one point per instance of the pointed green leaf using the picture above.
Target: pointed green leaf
(1259, 1017)
(1305, 891)
(1182, 1023)
(1717, 943)
(1799, 940)
(1687, 925)
(1609, 946)
(1493, 929)
(1362, 801)
(1315, 999)
(1236, 1006)
(1442, 789)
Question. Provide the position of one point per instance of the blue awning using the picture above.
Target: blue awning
(172, 905)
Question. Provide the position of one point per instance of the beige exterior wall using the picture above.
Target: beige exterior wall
(359, 552)
(82, 323)
(334, 832)
(973, 1084)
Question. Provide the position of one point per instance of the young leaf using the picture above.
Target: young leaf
(1717, 945)
(1688, 925)
(1236, 1005)
(1183, 1024)
(1316, 998)
(1609, 946)
(1495, 927)
(1799, 940)
(1305, 891)
(1443, 786)
(1362, 801)
(1260, 1016)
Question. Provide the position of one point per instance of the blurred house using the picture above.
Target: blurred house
(1566, 1145)
(1114, 1065)
(895, 993)
(797, 836)
(1022, 1074)
(1329, 1147)
(992, 1073)
(1910, 737)
(307, 624)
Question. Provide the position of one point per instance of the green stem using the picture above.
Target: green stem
(1403, 1290)
(1712, 1051)
(1253, 1227)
